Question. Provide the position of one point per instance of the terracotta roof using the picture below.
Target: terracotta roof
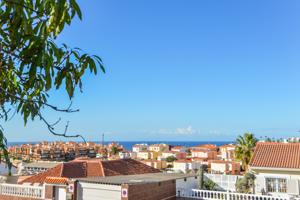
(91, 168)
(56, 180)
(182, 161)
(207, 146)
(276, 155)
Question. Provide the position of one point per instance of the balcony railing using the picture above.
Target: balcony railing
(217, 195)
(22, 191)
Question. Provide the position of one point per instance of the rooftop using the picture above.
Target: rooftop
(135, 179)
(92, 167)
(276, 155)
(42, 164)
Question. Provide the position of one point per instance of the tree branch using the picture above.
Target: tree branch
(64, 134)
(68, 109)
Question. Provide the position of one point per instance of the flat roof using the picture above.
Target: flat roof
(42, 164)
(135, 179)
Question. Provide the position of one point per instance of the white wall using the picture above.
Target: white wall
(90, 191)
(188, 183)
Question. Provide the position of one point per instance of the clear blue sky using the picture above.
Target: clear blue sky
(183, 70)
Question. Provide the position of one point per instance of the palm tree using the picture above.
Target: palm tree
(244, 148)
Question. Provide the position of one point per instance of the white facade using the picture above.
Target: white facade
(186, 166)
(164, 155)
(91, 191)
(144, 155)
(279, 182)
(124, 154)
(139, 147)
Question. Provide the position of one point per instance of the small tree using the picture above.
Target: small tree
(170, 159)
(209, 185)
(114, 150)
(246, 184)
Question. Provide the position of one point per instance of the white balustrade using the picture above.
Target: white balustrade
(22, 190)
(218, 195)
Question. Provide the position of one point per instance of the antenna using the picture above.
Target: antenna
(102, 140)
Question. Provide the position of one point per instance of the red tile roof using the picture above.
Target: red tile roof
(56, 180)
(276, 155)
(93, 167)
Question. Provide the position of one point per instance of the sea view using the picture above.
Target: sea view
(128, 144)
(149, 100)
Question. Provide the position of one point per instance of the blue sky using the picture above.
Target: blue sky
(183, 70)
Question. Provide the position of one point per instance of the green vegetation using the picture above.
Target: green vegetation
(209, 185)
(114, 150)
(170, 159)
(246, 184)
(32, 62)
(244, 148)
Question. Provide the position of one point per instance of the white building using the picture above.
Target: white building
(139, 147)
(124, 154)
(143, 155)
(185, 166)
(277, 168)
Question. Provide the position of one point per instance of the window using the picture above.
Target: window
(276, 185)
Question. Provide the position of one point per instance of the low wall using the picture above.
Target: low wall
(4, 197)
(151, 191)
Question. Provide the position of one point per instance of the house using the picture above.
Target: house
(159, 147)
(132, 187)
(124, 154)
(227, 152)
(175, 154)
(167, 154)
(154, 155)
(82, 168)
(143, 155)
(277, 168)
(139, 147)
(224, 167)
(35, 167)
(210, 147)
(179, 149)
(185, 166)
(204, 153)
(157, 164)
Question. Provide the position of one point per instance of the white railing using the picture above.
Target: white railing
(217, 195)
(22, 190)
(224, 182)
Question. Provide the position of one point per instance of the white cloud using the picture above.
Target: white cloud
(189, 130)
(186, 131)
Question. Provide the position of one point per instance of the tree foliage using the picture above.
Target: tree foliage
(170, 159)
(32, 62)
(244, 148)
(114, 150)
(246, 184)
(209, 185)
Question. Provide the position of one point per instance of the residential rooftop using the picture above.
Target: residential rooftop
(42, 164)
(276, 155)
(135, 179)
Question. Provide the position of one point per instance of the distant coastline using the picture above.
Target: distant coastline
(128, 144)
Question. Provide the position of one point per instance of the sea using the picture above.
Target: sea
(128, 146)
